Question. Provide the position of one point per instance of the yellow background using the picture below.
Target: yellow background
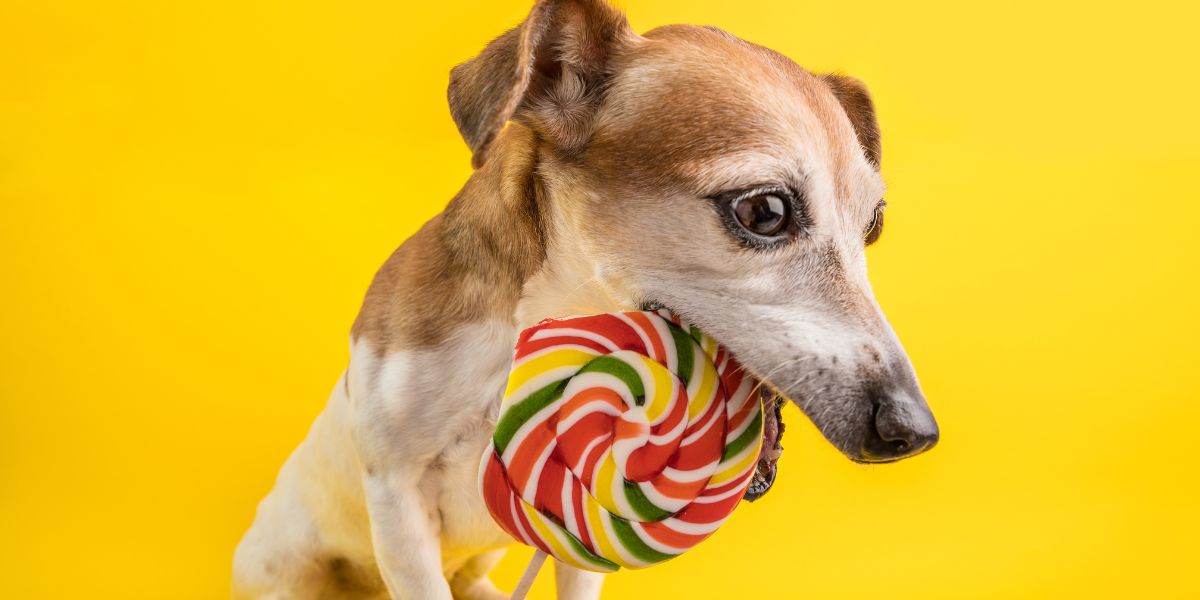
(194, 195)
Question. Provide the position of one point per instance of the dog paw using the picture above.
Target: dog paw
(480, 589)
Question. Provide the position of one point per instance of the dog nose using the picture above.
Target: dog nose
(905, 426)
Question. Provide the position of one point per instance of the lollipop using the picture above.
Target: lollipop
(623, 440)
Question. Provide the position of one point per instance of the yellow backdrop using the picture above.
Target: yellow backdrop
(195, 195)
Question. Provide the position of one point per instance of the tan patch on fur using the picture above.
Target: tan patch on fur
(548, 64)
(688, 96)
(856, 102)
(466, 264)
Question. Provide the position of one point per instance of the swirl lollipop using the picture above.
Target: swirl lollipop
(623, 440)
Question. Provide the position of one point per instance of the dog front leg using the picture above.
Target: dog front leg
(576, 584)
(405, 537)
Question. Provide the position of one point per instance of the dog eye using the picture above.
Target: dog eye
(763, 214)
(875, 229)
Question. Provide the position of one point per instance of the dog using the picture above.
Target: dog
(683, 168)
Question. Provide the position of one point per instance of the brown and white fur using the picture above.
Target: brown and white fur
(600, 159)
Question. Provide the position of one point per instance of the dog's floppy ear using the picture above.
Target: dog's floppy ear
(548, 71)
(852, 95)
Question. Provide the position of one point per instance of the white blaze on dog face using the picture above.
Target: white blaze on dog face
(694, 121)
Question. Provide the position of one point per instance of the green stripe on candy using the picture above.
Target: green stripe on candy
(642, 505)
(599, 562)
(618, 368)
(749, 436)
(520, 413)
(634, 544)
(684, 351)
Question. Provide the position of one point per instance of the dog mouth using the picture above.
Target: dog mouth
(772, 448)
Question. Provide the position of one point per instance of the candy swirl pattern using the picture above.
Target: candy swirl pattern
(623, 440)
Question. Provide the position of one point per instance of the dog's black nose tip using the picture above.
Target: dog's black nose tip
(907, 442)
(905, 428)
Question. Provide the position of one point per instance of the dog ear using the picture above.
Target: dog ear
(549, 72)
(856, 101)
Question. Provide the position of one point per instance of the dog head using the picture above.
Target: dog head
(697, 171)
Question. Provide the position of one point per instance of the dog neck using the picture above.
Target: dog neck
(568, 284)
(501, 252)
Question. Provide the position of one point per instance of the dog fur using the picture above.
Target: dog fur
(597, 154)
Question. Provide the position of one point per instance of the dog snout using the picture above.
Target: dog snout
(903, 426)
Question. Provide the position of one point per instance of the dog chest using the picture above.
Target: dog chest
(466, 526)
(435, 409)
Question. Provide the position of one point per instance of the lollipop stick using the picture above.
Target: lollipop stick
(531, 571)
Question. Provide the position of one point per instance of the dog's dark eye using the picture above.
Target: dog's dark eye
(762, 214)
(875, 229)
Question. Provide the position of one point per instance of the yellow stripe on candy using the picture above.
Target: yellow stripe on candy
(595, 521)
(706, 392)
(664, 390)
(544, 531)
(738, 467)
(554, 536)
(602, 486)
(537, 365)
